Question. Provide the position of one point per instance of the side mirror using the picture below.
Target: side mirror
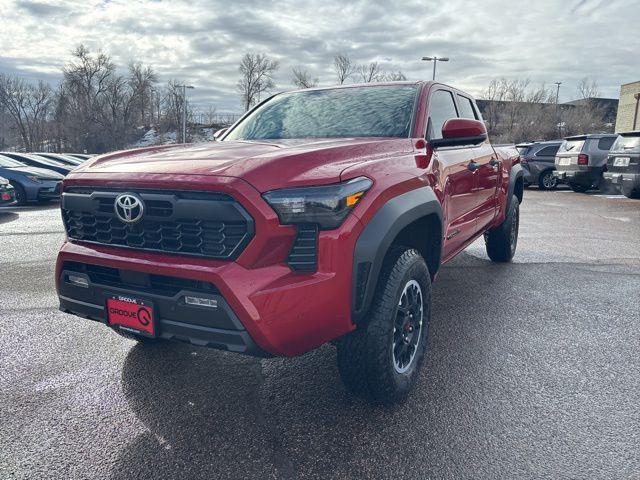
(219, 133)
(460, 131)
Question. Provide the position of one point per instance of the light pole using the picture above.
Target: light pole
(184, 111)
(558, 110)
(435, 60)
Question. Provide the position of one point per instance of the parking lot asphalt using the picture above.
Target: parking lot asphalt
(533, 371)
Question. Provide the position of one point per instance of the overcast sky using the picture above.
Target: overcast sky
(202, 42)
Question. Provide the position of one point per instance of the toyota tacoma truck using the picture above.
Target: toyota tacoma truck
(322, 215)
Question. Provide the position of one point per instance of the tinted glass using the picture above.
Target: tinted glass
(466, 108)
(441, 109)
(573, 146)
(9, 163)
(523, 150)
(626, 144)
(547, 151)
(380, 111)
(606, 143)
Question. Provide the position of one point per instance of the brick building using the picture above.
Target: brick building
(628, 108)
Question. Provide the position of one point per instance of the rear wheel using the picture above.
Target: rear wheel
(630, 192)
(21, 195)
(546, 180)
(501, 241)
(579, 187)
(381, 360)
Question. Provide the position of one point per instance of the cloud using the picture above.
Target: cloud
(202, 41)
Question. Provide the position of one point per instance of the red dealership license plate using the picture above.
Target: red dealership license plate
(131, 314)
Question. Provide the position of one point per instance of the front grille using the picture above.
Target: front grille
(202, 224)
(139, 281)
(303, 256)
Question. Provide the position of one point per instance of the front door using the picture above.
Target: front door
(455, 176)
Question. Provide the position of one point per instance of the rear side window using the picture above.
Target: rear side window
(441, 109)
(466, 108)
(549, 151)
(605, 143)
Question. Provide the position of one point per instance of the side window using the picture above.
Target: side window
(441, 109)
(605, 143)
(466, 108)
(547, 151)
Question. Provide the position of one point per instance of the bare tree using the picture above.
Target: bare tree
(392, 77)
(302, 79)
(141, 80)
(29, 106)
(343, 67)
(369, 73)
(588, 88)
(256, 76)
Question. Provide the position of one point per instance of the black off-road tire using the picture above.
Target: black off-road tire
(579, 187)
(630, 192)
(546, 180)
(21, 195)
(366, 359)
(501, 241)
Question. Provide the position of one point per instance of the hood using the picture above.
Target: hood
(40, 172)
(265, 165)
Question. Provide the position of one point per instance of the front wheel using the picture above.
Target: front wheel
(547, 181)
(501, 241)
(381, 360)
(21, 194)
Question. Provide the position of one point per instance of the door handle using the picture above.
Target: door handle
(494, 162)
(473, 166)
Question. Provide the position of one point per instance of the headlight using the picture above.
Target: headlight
(4, 181)
(35, 179)
(326, 205)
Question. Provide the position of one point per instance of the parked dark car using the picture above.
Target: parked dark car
(59, 157)
(31, 184)
(39, 162)
(7, 193)
(623, 164)
(538, 161)
(582, 159)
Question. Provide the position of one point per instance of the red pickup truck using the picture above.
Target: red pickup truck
(323, 215)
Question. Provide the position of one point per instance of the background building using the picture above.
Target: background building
(628, 108)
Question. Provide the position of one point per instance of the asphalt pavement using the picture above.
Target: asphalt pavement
(533, 371)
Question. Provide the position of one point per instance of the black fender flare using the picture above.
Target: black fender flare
(378, 235)
(516, 173)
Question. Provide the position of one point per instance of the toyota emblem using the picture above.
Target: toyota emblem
(129, 208)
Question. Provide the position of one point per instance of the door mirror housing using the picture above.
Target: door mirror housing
(460, 131)
(219, 133)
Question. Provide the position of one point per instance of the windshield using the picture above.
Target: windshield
(573, 146)
(9, 163)
(376, 111)
(626, 144)
(522, 150)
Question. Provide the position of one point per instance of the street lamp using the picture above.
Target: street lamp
(435, 60)
(557, 109)
(184, 110)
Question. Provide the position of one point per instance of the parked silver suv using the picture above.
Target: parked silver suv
(582, 159)
(537, 159)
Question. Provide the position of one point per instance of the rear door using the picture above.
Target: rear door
(487, 173)
(456, 180)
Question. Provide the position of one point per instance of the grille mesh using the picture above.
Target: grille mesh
(160, 230)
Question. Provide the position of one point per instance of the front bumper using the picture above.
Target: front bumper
(268, 310)
(49, 191)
